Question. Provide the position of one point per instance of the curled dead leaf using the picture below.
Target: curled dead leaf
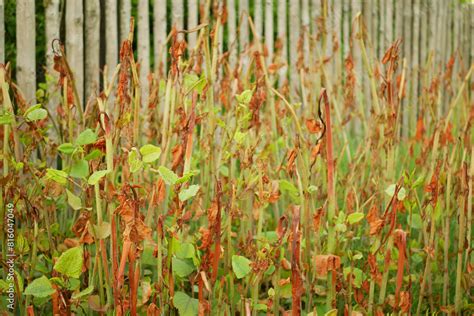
(325, 263)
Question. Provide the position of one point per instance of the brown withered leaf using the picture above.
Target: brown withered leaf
(71, 242)
(160, 192)
(420, 129)
(374, 271)
(274, 195)
(375, 222)
(134, 229)
(146, 291)
(313, 126)
(405, 302)
(315, 150)
(81, 228)
(282, 227)
(152, 310)
(433, 186)
(290, 162)
(285, 264)
(283, 282)
(325, 263)
(206, 238)
(317, 218)
(273, 68)
(212, 212)
(178, 155)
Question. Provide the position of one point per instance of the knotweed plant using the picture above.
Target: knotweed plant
(225, 192)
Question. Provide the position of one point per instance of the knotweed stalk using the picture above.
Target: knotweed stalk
(431, 240)
(447, 224)
(463, 208)
(332, 209)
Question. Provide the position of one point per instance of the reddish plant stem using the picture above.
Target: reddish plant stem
(114, 260)
(217, 246)
(123, 260)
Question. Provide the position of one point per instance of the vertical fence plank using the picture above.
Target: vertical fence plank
(336, 38)
(257, 18)
(346, 27)
(193, 9)
(125, 14)
(389, 33)
(444, 45)
(439, 34)
(369, 45)
(143, 45)
(368, 22)
(92, 48)
(294, 34)
(315, 15)
(159, 35)
(25, 45)
(470, 32)
(356, 50)
(232, 32)
(450, 27)
(243, 24)
(269, 29)
(52, 20)
(282, 37)
(403, 26)
(305, 28)
(456, 32)
(51, 31)
(243, 30)
(75, 44)
(111, 36)
(178, 16)
(376, 26)
(2, 32)
(383, 33)
(220, 39)
(466, 21)
(433, 10)
(423, 34)
(416, 50)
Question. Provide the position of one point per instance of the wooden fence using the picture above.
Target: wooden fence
(432, 32)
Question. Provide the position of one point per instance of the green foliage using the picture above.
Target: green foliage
(182, 267)
(80, 169)
(167, 175)
(67, 148)
(35, 113)
(58, 176)
(40, 287)
(355, 217)
(186, 305)
(150, 153)
(96, 176)
(86, 292)
(73, 200)
(240, 266)
(70, 262)
(86, 137)
(188, 193)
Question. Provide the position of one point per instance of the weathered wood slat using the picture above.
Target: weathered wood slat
(300, 29)
(25, 43)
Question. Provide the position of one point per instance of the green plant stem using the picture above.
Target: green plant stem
(447, 229)
(463, 207)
